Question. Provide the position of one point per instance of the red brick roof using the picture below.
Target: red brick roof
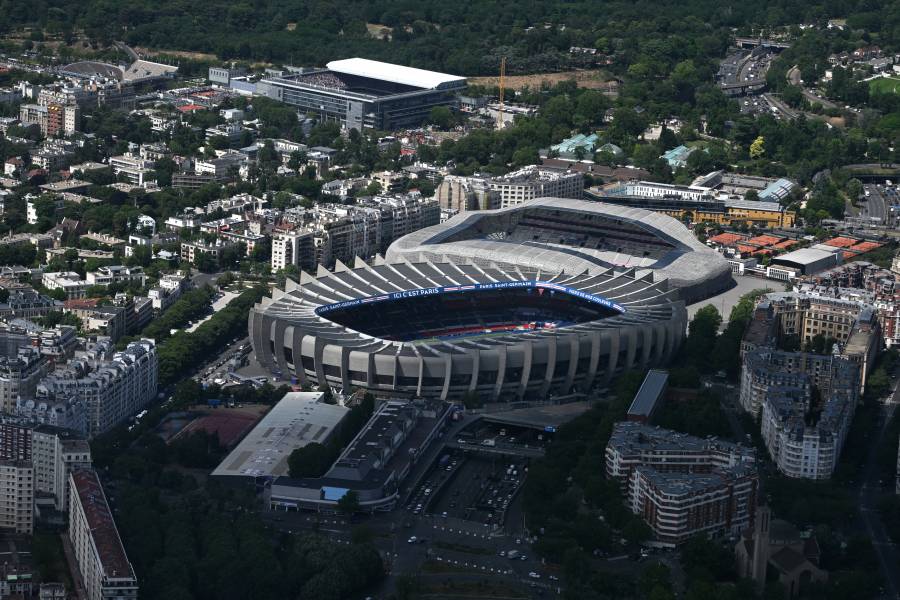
(81, 303)
(113, 560)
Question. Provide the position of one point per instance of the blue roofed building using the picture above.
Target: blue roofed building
(568, 148)
(677, 157)
(777, 190)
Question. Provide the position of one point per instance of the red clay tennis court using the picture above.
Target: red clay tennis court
(231, 426)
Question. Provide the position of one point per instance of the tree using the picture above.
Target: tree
(312, 460)
(702, 332)
(373, 189)
(758, 148)
(349, 503)
(441, 117)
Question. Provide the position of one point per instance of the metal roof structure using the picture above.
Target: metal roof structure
(484, 238)
(363, 67)
(648, 395)
(806, 256)
(636, 300)
(298, 419)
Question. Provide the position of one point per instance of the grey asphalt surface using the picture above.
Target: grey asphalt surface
(725, 301)
(867, 501)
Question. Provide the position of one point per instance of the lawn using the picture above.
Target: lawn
(884, 85)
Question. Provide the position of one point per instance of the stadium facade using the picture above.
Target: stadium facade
(360, 93)
(507, 325)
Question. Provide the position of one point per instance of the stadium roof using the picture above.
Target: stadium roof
(145, 69)
(363, 67)
(690, 264)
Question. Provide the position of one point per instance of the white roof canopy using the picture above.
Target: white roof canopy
(364, 67)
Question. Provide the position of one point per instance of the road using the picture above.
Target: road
(869, 493)
(124, 48)
(875, 205)
(788, 112)
(217, 305)
(793, 77)
(467, 547)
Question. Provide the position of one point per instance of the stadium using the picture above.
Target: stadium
(361, 93)
(555, 234)
(447, 325)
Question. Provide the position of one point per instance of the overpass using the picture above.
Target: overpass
(500, 449)
(874, 172)
(747, 42)
(741, 88)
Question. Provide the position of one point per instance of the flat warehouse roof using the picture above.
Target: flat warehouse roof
(298, 419)
(363, 67)
(804, 256)
(649, 393)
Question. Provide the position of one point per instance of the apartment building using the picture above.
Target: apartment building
(191, 251)
(806, 402)
(99, 553)
(467, 193)
(681, 485)
(112, 274)
(537, 182)
(17, 497)
(53, 119)
(68, 281)
(55, 453)
(341, 232)
(134, 168)
(293, 247)
(110, 391)
(224, 167)
(19, 376)
(804, 317)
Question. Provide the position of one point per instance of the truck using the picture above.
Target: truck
(512, 554)
(490, 443)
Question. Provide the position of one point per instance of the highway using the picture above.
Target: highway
(875, 205)
(786, 110)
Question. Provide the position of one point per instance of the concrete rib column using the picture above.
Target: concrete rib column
(574, 354)
(476, 360)
(526, 370)
(596, 339)
(297, 346)
(501, 373)
(615, 343)
(345, 367)
(448, 371)
(647, 336)
(551, 366)
(631, 348)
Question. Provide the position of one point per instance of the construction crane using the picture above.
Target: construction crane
(502, 86)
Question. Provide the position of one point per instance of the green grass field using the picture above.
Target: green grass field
(884, 85)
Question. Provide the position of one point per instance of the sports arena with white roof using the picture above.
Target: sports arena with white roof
(359, 92)
(511, 304)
